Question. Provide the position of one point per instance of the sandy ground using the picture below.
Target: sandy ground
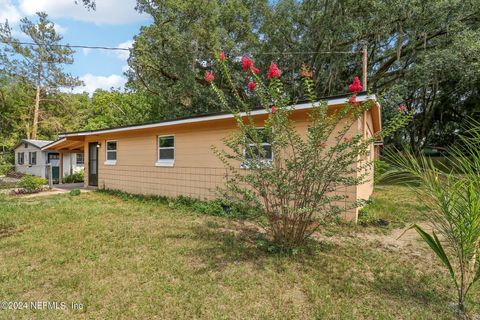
(57, 189)
(398, 238)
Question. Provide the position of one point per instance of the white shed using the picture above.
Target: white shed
(30, 159)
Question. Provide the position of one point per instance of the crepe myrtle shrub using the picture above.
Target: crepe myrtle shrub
(292, 177)
(451, 191)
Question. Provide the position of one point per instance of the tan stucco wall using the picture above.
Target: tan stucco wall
(196, 172)
(364, 191)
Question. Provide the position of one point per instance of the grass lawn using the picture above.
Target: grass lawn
(144, 260)
(396, 204)
(8, 183)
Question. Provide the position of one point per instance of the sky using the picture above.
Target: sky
(114, 23)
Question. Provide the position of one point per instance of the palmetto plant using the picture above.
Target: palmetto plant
(452, 193)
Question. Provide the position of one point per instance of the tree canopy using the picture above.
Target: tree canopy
(423, 54)
(39, 66)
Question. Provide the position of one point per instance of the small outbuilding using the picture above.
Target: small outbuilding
(31, 159)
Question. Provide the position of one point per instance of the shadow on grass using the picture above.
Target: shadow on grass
(223, 246)
(8, 230)
(407, 285)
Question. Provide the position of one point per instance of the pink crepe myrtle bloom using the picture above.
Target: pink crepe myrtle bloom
(274, 109)
(355, 86)
(209, 77)
(252, 85)
(255, 70)
(221, 56)
(273, 72)
(353, 99)
(247, 63)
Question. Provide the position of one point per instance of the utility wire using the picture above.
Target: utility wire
(128, 49)
(307, 52)
(69, 46)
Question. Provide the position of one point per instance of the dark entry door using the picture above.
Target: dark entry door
(54, 160)
(93, 164)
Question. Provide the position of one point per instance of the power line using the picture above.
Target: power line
(70, 46)
(307, 52)
(128, 49)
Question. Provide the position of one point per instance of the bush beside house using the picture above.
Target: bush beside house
(31, 184)
(6, 163)
(75, 177)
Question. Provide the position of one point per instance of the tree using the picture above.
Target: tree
(442, 88)
(417, 52)
(15, 109)
(116, 108)
(293, 178)
(39, 64)
(169, 56)
(89, 4)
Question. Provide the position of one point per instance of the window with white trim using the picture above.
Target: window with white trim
(32, 158)
(262, 151)
(21, 158)
(166, 151)
(111, 150)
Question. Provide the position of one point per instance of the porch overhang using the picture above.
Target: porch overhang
(68, 144)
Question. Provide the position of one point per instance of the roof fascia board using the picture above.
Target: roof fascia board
(54, 143)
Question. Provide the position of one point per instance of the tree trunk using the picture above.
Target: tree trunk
(36, 113)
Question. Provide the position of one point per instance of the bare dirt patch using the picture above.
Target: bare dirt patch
(8, 230)
(398, 238)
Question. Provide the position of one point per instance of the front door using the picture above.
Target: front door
(54, 160)
(93, 164)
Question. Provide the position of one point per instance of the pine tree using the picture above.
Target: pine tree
(39, 64)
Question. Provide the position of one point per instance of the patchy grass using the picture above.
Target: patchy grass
(126, 259)
(8, 183)
(397, 205)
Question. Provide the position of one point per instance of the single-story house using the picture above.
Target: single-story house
(31, 159)
(174, 157)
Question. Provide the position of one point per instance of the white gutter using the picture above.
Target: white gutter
(302, 106)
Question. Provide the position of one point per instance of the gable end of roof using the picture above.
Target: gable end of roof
(36, 143)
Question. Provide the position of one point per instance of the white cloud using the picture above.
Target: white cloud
(125, 68)
(59, 29)
(86, 51)
(20, 35)
(124, 54)
(9, 12)
(93, 83)
(107, 11)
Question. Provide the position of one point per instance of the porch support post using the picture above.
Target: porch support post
(50, 175)
(85, 163)
(60, 176)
